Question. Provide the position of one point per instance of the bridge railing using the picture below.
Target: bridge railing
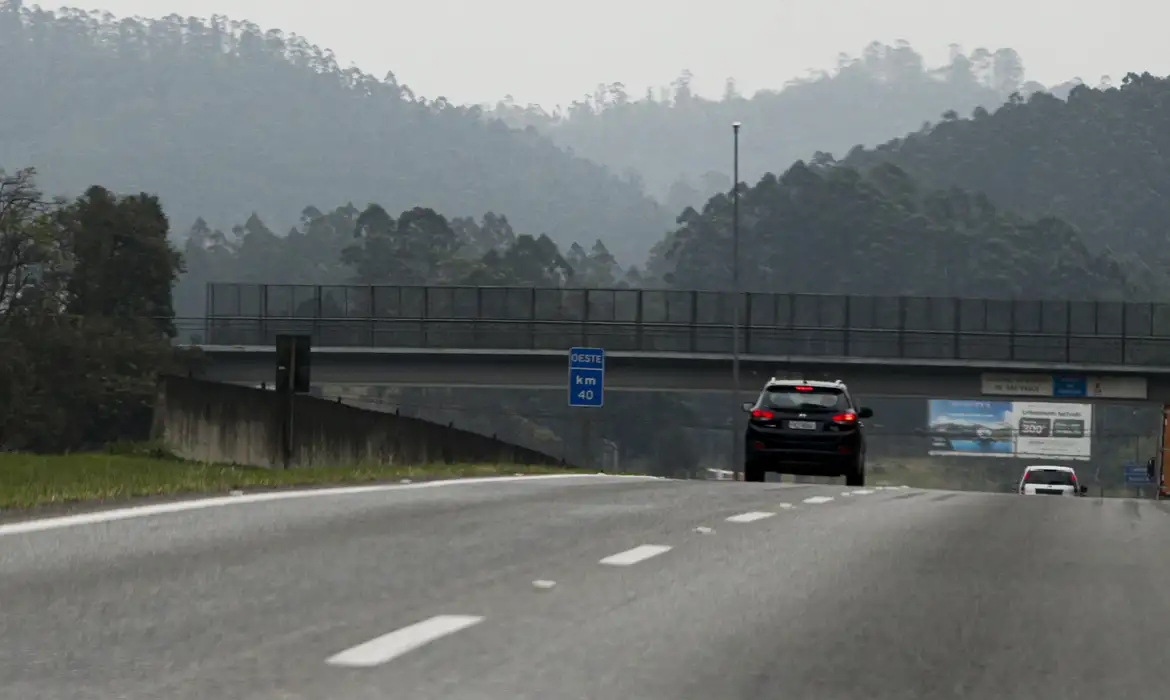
(651, 320)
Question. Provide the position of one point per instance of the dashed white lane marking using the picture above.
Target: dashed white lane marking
(817, 500)
(785, 505)
(388, 647)
(106, 516)
(544, 583)
(749, 517)
(862, 492)
(635, 555)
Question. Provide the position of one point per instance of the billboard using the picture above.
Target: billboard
(1021, 429)
(1053, 430)
(976, 428)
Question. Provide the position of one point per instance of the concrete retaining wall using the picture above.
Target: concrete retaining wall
(229, 424)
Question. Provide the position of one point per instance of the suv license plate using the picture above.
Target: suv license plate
(802, 424)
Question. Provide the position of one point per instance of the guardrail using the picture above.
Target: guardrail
(669, 321)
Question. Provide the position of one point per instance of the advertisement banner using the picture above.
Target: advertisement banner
(1053, 430)
(971, 428)
(1030, 430)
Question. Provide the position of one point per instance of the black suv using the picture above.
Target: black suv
(807, 428)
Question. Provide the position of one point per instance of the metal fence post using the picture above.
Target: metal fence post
(1012, 330)
(694, 321)
(372, 295)
(424, 314)
(639, 316)
(848, 324)
(585, 317)
(901, 327)
(532, 318)
(957, 315)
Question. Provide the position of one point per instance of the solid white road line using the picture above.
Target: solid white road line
(749, 517)
(635, 555)
(382, 649)
(106, 516)
(816, 500)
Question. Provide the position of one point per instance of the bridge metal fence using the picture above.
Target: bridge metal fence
(674, 321)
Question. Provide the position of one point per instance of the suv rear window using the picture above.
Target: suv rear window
(1049, 477)
(814, 399)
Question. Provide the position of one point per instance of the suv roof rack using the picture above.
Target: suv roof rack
(792, 381)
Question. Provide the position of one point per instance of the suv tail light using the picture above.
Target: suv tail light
(761, 414)
(847, 418)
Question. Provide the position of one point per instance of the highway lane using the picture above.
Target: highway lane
(499, 591)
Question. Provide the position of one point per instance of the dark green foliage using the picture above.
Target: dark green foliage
(831, 230)
(222, 118)
(85, 315)
(1099, 160)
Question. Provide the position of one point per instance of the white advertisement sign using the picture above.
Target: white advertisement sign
(1117, 388)
(1020, 429)
(1017, 384)
(1053, 430)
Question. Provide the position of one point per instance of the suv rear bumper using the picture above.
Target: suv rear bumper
(802, 463)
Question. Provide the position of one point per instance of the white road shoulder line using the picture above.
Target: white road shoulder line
(107, 516)
(817, 500)
(635, 555)
(388, 647)
(749, 517)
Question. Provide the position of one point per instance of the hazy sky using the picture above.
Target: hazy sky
(552, 52)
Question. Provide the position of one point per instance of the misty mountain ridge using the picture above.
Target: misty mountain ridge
(677, 143)
(232, 123)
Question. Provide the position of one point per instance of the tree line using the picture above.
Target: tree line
(86, 318)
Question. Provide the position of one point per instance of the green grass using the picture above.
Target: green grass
(28, 481)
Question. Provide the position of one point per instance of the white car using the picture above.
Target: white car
(1050, 480)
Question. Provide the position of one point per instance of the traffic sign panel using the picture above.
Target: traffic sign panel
(587, 377)
(1137, 475)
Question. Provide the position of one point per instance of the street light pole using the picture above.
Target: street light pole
(736, 438)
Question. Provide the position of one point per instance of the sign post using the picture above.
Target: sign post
(1137, 476)
(293, 376)
(1163, 445)
(586, 387)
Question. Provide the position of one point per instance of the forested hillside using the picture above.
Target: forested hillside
(1099, 160)
(680, 143)
(222, 119)
(825, 229)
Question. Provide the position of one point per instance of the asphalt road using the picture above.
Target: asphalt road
(598, 589)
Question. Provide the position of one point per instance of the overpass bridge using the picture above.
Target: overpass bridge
(670, 340)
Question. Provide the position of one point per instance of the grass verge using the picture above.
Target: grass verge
(30, 481)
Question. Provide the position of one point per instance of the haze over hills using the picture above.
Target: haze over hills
(679, 143)
(224, 119)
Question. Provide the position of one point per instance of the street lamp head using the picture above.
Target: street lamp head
(736, 125)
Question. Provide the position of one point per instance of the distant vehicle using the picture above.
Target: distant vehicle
(805, 428)
(1050, 480)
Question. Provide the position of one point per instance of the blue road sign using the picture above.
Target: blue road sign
(1136, 475)
(1070, 387)
(587, 377)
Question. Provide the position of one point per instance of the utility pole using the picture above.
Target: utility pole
(736, 438)
(292, 378)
